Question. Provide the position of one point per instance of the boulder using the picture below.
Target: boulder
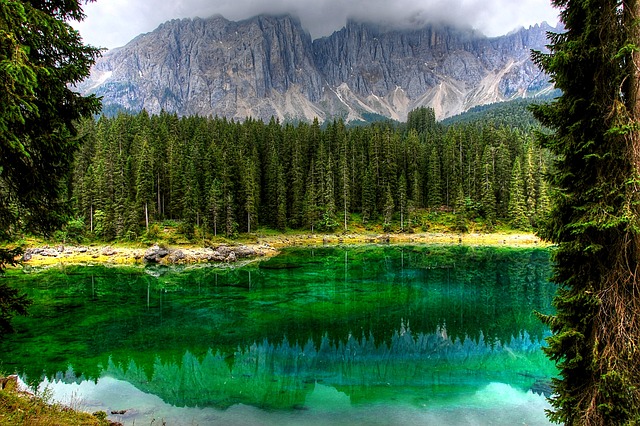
(215, 256)
(108, 251)
(49, 252)
(155, 253)
(176, 256)
(244, 251)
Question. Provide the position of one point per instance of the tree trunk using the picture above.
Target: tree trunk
(159, 201)
(632, 14)
(345, 212)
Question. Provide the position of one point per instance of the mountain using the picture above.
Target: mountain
(269, 66)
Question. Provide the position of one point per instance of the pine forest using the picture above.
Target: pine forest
(219, 178)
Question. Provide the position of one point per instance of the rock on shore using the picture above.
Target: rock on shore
(153, 255)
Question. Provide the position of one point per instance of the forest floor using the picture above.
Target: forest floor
(247, 247)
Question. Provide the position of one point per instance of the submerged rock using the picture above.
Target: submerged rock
(542, 387)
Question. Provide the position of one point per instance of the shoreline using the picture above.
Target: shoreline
(264, 246)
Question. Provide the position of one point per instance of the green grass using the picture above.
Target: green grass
(18, 408)
(170, 232)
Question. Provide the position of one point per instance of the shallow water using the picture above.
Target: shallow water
(343, 335)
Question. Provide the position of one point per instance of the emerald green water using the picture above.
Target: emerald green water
(339, 335)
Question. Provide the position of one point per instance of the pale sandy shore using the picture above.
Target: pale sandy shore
(261, 247)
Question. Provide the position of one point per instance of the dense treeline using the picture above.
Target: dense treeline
(227, 177)
(513, 113)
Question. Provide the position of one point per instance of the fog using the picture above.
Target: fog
(113, 23)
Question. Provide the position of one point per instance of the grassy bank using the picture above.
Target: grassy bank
(23, 408)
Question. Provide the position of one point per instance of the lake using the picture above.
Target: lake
(380, 335)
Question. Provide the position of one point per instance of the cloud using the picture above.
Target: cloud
(112, 23)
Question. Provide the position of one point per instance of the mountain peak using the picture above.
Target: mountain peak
(268, 66)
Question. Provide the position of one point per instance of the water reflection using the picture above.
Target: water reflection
(416, 368)
(413, 326)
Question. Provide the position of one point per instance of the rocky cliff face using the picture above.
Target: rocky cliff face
(269, 66)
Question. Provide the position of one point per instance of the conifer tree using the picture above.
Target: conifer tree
(252, 191)
(503, 168)
(595, 221)
(144, 179)
(388, 206)
(311, 207)
(434, 182)
(487, 190)
(530, 187)
(281, 206)
(460, 210)
(345, 182)
(328, 194)
(414, 202)
(41, 57)
(296, 181)
(543, 206)
(215, 202)
(402, 200)
(230, 224)
(368, 195)
(517, 200)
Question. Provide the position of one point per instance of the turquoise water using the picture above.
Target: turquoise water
(335, 335)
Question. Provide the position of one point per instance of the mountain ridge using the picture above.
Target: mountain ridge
(269, 66)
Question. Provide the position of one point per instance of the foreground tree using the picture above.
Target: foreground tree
(595, 219)
(40, 56)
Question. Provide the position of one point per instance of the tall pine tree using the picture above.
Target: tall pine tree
(41, 58)
(595, 220)
(517, 198)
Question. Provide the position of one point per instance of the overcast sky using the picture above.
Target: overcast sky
(113, 23)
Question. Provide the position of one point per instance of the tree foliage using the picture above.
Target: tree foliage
(40, 57)
(242, 175)
(595, 215)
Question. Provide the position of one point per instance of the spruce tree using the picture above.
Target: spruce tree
(460, 210)
(310, 205)
(41, 57)
(252, 191)
(517, 199)
(503, 166)
(368, 195)
(487, 189)
(595, 221)
(388, 207)
(144, 179)
(531, 190)
(434, 182)
(402, 200)
(281, 206)
(215, 203)
(296, 182)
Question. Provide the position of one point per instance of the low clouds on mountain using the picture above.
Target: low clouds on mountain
(112, 23)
